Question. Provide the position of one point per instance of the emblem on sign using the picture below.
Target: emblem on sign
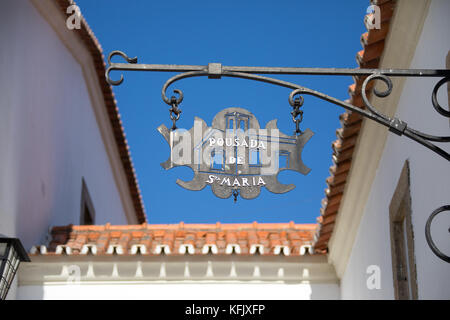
(234, 155)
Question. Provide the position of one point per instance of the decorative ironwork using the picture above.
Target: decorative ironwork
(216, 71)
(235, 156)
(430, 241)
(395, 125)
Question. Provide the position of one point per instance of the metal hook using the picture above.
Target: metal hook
(112, 67)
(235, 194)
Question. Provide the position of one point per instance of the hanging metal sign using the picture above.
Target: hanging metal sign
(235, 177)
(235, 156)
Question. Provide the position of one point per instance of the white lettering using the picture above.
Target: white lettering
(227, 181)
(236, 181)
(196, 310)
(211, 178)
(261, 145)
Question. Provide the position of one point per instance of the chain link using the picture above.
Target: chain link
(175, 112)
(296, 112)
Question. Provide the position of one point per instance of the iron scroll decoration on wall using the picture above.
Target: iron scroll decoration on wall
(217, 71)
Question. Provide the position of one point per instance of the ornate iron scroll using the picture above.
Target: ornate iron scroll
(428, 237)
(395, 125)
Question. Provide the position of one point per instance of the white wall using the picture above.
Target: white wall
(177, 277)
(430, 181)
(49, 136)
(182, 291)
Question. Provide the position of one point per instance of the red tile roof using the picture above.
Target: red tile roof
(373, 45)
(90, 41)
(263, 238)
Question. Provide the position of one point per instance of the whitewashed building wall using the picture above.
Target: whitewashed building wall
(429, 175)
(49, 135)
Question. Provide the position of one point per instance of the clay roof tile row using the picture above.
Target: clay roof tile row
(173, 239)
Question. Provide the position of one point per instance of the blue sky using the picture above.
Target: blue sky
(252, 33)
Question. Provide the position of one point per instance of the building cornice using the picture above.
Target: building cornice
(103, 270)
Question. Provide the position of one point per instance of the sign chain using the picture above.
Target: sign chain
(297, 114)
(175, 112)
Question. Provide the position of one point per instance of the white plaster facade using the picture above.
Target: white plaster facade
(50, 132)
(418, 39)
(157, 290)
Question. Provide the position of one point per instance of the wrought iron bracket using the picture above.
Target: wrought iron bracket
(217, 71)
(395, 125)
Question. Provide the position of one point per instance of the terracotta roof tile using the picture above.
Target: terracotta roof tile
(371, 52)
(263, 234)
(171, 239)
(231, 237)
